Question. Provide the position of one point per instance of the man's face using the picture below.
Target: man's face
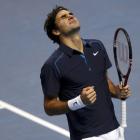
(66, 21)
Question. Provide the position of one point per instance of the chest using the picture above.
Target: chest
(84, 69)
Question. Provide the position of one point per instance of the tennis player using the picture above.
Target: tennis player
(75, 82)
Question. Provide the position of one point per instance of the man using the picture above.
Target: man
(74, 80)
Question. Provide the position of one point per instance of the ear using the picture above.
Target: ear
(56, 32)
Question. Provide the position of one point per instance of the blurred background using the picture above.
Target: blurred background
(24, 47)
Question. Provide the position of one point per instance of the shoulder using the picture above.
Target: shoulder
(51, 62)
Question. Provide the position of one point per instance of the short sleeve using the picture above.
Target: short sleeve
(106, 57)
(50, 81)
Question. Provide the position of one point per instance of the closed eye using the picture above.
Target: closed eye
(65, 15)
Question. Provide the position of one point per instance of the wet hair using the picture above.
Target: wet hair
(50, 25)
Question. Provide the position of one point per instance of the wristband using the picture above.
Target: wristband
(76, 103)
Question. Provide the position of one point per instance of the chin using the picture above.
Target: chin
(72, 30)
(75, 26)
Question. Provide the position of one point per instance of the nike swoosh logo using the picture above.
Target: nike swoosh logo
(95, 53)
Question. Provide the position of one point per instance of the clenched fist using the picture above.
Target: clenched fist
(88, 95)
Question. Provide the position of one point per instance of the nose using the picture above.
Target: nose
(70, 17)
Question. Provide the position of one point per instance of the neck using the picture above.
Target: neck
(73, 41)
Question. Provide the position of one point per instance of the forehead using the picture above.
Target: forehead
(62, 12)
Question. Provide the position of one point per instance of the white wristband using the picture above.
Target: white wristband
(76, 103)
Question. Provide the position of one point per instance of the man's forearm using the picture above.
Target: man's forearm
(56, 107)
(119, 92)
(114, 89)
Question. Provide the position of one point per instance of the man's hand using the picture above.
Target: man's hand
(125, 92)
(88, 95)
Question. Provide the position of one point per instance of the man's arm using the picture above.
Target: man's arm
(114, 89)
(117, 91)
(54, 106)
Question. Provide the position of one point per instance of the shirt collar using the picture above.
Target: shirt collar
(69, 51)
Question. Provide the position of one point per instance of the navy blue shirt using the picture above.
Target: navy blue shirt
(67, 72)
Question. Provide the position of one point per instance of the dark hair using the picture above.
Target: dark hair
(49, 24)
